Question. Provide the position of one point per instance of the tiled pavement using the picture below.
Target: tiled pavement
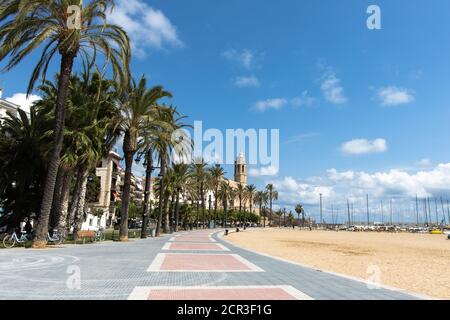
(170, 267)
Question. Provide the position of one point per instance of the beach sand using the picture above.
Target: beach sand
(419, 263)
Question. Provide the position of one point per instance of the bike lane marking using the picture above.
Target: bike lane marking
(194, 246)
(201, 262)
(262, 292)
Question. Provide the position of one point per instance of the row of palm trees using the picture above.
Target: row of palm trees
(47, 158)
(192, 183)
(77, 109)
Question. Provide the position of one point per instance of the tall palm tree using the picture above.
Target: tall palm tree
(273, 195)
(225, 193)
(163, 138)
(22, 163)
(138, 110)
(251, 191)
(216, 174)
(88, 136)
(300, 211)
(94, 133)
(29, 24)
(184, 185)
(198, 169)
(240, 191)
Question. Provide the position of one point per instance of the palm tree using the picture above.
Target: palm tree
(28, 24)
(251, 190)
(241, 195)
(198, 169)
(273, 195)
(22, 163)
(89, 135)
(138, 110)
(163, 139)
(299, 209)
(184, 185)
(225, 193)
(93, 133)
(216, 174)
(259, 202)
(261, 198)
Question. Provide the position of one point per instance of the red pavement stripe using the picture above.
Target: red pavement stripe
(181, 246)
(192, 239)
(218, 293)
(201, 262)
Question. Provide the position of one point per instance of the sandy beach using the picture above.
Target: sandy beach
(418, 263)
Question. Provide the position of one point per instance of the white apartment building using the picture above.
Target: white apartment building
(6, 106)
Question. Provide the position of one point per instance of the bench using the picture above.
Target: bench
(85, 234)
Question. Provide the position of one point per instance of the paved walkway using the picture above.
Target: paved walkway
(186, 266)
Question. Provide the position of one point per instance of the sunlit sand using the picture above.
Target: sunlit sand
(418, 263)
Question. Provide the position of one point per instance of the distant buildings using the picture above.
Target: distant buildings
(6, 106)
(103, 212)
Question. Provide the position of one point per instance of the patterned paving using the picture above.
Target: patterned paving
(218, 293)
(180, 246)
(121, 270)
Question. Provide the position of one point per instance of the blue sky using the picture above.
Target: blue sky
(313, 70)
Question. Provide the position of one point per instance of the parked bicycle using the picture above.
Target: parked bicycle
(100, 235)
(11, 240)
(56, 237)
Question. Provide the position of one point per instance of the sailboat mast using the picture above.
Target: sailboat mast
(417, 209)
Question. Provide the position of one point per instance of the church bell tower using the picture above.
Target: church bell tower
(240, 169)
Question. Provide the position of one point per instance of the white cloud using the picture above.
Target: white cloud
(146, 26)
(305, 100)
(275, 104)
(332, 89)
(250, 81)
(393, 96)
(302, 136)
(263, 171)
(245, 58)
(424, 162)
(338, 186)
(364, 146)
(21, 100)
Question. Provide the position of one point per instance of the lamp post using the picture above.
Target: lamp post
(148, 163)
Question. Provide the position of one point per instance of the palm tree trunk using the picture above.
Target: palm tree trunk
(172, 213)
(123, 232)
(198, 208)
(260, 213)
(40, 236)
(202, 192)
(64, 201)
(215, 207)
(225, 212)
(166, 214)
(264, 210)
(161, 195)
(270, 213)
(80, 207)
(177, 210)
(75, 198)
(56, 205)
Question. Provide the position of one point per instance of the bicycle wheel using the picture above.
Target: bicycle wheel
(60, 239)
(9, 241)
(102, 236)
